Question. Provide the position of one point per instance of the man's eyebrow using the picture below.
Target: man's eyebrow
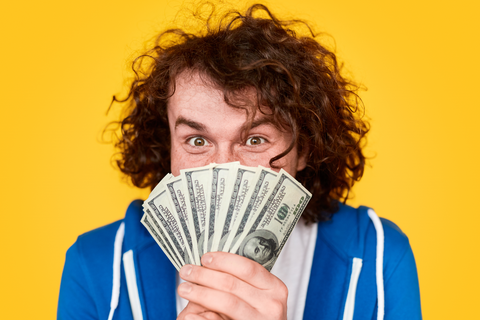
(190, 123)
(262, 121)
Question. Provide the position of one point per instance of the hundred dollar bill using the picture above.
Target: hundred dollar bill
(266, 234)
(166, 218)
(243, 180)
(158, 232)
(223, 206)
(219, 184)
(158, 187)
(176, 190)
(197, 182)
(159, 236)
(255, 200)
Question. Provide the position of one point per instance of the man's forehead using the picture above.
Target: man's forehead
(188, 82)
(188, 79)
(243, 100)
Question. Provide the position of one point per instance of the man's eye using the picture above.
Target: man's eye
(197, 142)
(254, 141)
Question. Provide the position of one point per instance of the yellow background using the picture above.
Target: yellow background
(61, 62)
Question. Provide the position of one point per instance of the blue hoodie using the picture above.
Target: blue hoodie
(119, 272)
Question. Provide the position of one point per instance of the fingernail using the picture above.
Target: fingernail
(186, 270)
(184, 288)
(207, 258)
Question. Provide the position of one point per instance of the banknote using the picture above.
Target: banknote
(219, 184)
(198, 183)
(256, 199)
(158, 187)
(265, 235)
(158, 232)
(165, 244)
(160, 205)
(178, 202)
(242, 182)
(250, 211)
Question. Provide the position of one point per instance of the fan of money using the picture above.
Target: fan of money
(224, 207)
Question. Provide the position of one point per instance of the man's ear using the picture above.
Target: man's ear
(302, 160)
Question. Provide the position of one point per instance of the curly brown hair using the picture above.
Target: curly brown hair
(296, 77)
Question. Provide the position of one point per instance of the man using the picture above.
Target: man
(249, 90)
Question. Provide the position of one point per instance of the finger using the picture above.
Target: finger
(191, 308)
(203, 316)
(220, 281)
(220, 302)
(212, 316)
(243, 268)
(193, 316)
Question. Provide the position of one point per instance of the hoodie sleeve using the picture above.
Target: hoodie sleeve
(402, 294)
(87, 280)
(75, 300)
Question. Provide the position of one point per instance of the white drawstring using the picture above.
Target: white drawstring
(379, 263)
(117, 254)
(352, 289)
(131, 277)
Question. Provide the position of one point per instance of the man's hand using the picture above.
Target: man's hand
(195, 312)
(231, 286)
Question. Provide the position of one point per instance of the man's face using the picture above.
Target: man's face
(204, 130)
(258, 249)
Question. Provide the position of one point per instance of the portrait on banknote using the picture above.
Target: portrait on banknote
(259, 246)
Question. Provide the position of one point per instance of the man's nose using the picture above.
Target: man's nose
(224, 155)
